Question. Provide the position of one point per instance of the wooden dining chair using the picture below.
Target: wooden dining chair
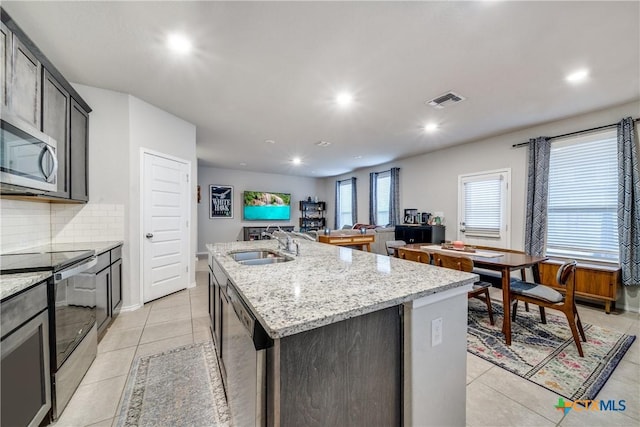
(391, 245)
(546, 297)
(480, 289)
(414, 255)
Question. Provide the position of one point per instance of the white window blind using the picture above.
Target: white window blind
(583, 198)
(383, 196)
(344, 208)
(483, 205)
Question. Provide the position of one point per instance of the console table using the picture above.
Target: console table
(362, 240)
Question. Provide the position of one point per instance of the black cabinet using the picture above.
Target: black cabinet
(312, 217)
(420, 233)
(56, 103)
(103, 281)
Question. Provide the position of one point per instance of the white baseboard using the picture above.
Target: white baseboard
(133, 307)
(192, 285)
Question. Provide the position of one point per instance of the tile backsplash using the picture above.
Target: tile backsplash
(24, 224)
(93, 222)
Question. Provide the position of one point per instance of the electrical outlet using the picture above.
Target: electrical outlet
(436, 332)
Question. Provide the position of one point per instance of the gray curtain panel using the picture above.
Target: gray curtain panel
(537, 191)
(354, 202)
(394, 200)
(628, 203)
(336, 211)
(373, 200)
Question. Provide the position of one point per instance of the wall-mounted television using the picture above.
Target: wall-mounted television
(266, 206)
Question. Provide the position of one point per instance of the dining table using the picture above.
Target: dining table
(504, 261)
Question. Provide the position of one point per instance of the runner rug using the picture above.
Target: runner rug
(547, 354)
(178, 387)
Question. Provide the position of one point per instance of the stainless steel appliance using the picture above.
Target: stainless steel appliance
(72, 315)
(28, 162)
(244, 358)
(26, 383)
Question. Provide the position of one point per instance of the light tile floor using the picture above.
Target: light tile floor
(494, 397)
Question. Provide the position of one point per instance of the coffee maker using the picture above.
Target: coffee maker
(411, 216)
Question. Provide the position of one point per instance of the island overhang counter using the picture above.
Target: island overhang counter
(350, 336)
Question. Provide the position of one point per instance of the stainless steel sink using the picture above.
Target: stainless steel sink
(259, 257)
(264, 261)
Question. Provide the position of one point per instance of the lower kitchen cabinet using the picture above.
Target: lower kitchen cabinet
(108, 288)
(26, 377)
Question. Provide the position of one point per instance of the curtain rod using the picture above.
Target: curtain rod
(522, 144)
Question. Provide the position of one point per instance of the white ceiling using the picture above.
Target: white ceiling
(269, 70)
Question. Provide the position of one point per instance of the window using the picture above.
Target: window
(344, 198)
(583, 198)
(483, 208)
(383, 197)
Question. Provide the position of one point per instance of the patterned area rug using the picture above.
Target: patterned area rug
(547, 354)
(181, 386)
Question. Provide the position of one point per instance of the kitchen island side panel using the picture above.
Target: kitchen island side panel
(346, 373)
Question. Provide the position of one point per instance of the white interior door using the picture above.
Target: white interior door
(165, 226)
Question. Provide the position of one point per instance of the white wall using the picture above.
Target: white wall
(119, 126)
(228, 230)
(429, 182)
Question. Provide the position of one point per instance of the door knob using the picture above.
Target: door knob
(149, 235)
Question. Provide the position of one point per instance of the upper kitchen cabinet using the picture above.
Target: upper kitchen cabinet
(56, 111)
(34, 90)
(79, 152)
(25, 77)
(5, 54)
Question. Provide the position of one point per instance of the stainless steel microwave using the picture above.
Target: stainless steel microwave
(28, 162)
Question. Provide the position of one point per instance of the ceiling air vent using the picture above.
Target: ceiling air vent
(445, 100)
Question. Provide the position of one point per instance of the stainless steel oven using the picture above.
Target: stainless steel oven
(71, 298)
(74, 338)
(28, 162)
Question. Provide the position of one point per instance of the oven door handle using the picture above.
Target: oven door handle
(65, 274)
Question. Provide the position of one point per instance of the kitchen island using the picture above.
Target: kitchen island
(347, 336)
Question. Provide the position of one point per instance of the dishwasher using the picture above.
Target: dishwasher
(244, 360)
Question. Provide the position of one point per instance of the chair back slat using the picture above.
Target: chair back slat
(461, 263)
(566, 277)
(414, 255)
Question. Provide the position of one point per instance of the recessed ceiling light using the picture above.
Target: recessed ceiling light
(323, 143)
(243, 164)
(269, 141)
(344, 99)
(430, 127)
(577, 76)
(357, 157)
(296, 160)
(179, 43)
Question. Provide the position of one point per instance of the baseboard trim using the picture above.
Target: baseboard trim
(133, 307)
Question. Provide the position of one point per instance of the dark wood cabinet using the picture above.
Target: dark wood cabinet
(5, 64)
(38, 94)
(26, 72)
(103, 281)
(420, 233)
(78, 144)
(56, 103)
(116, 287)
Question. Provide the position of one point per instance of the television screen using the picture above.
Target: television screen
(263, 206)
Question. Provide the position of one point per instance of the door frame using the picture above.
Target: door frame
(144, 151)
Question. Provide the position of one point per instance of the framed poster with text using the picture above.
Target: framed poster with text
(220, 201)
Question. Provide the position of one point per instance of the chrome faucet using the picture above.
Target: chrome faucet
(287, 243)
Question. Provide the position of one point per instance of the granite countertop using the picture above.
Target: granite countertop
(326, 284)
(11, 284)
